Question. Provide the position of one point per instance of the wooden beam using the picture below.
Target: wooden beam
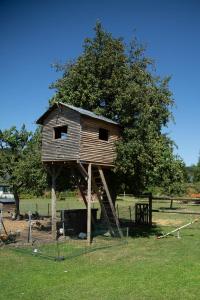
(110, 200)
(54, 171)
(82, 193)
(150, 209)
(89, 214)
(82, 170)
(81, 190)
(102, 206)
(53, 203)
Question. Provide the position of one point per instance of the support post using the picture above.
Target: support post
(1, 218)
(63, 222)
(89, 204)
(2, 226)
(130, 213)
(29, 227)
(48, 210)
(150, 209)
(54, 174)
(110, 200)
(53, 204)
(171, 203)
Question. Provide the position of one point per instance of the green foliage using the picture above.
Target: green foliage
(192, 188)
(193, 178)
(196, 172)
(119, 82)
(20, 160)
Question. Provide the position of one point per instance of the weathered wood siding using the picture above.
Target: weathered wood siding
(92, 149)
(58, 149)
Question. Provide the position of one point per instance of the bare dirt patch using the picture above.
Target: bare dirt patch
(15, 225)
(22, 227)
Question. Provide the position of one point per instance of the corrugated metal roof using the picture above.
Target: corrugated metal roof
(89, 113)
(79, 110)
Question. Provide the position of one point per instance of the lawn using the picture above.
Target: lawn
(142, 268)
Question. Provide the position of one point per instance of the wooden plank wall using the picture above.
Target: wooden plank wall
(93, 149)
(57, 149)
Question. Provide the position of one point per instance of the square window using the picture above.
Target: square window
(60, 132)
(103, 134)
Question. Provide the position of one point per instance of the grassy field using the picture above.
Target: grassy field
(143, 268)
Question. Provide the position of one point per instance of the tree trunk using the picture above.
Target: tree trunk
(17, 210)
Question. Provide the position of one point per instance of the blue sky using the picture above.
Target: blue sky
(36, 33)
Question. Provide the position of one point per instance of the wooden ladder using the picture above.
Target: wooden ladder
(101, 189)
(103, 194)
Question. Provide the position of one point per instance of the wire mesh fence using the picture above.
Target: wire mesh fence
(71, 247)
(39, 243)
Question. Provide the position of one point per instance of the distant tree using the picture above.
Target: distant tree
(119, 82)
(190, 170)
(196, 174)
(20, 161)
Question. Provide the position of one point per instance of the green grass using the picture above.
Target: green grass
(42, 204)
(144, 268)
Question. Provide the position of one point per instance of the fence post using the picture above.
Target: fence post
(171, 203)
(130, 213)
(127, 231)
(1, 217)
(29, 227)
(150, 209)
(63, 222)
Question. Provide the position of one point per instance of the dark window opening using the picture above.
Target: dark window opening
(60, 132)
(103, 134)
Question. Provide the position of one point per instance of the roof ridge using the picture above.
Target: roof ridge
(88, 113)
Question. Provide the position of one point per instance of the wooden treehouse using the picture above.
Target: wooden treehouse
(85, 142)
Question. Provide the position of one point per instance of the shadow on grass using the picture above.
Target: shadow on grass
(168, 208)
(129, 229)
(136, 231)
(144, 231)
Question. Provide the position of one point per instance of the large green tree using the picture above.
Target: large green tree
(20, 161)
(119, 82)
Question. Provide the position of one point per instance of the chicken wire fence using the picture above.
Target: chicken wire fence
(71, 247)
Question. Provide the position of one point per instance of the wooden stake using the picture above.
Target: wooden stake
(89, 204)
(171, 203)
(29, 227)
(63, 222)
(48, 210)
(53, 204)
